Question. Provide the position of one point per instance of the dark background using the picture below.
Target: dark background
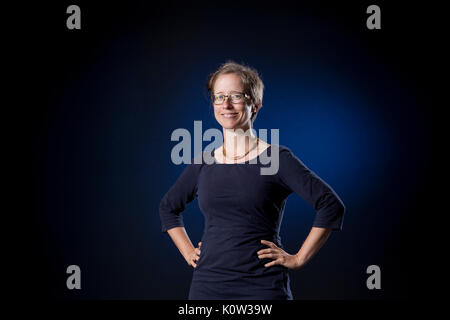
(97, 107)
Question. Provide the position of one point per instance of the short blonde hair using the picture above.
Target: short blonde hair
(253, 85)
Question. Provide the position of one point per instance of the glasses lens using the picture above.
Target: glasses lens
(237, 97)
(218, 99)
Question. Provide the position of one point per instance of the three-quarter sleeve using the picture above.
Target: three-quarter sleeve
(183, 191)
(316, 192)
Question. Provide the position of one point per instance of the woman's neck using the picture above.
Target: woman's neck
(238, 141)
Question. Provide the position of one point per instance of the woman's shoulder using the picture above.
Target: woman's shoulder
(281, 149)
(287, 157)
(195, 165)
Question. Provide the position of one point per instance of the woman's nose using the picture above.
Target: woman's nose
(226, 103)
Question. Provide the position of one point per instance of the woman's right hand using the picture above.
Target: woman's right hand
(194, 256)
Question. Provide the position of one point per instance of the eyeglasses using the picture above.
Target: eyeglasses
(234, 97)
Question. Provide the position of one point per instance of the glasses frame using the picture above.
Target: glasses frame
(227, 96)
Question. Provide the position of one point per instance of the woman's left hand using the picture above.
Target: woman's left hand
(290, 261)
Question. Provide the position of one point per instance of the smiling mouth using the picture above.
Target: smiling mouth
(229, 115)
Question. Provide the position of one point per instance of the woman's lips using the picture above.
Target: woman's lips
(229, 115)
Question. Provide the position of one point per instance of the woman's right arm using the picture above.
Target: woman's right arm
(183, 191)
(181, 239)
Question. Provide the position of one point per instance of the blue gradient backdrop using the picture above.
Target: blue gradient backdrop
(109, 96)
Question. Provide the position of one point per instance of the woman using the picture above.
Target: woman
(240, 255)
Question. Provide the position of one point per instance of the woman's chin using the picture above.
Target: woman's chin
(229, 124)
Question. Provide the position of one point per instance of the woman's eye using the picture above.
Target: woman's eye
(219, 97)
(236, 96)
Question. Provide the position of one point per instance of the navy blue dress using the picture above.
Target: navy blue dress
(241, 207)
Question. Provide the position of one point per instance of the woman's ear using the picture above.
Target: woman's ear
(254, 111)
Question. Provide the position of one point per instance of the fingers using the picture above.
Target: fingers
(268, 256)
(263, 251)
(272, 263)
(269, 243)
(270, 253)
(197, 250)
(195, 256)
(194, 259)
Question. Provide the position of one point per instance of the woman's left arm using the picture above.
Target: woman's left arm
(330, 209)
(315, 240)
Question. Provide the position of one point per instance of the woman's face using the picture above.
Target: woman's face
(231, 115)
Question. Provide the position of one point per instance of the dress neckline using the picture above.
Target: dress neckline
(244, 162)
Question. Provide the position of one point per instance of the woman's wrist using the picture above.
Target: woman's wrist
(300, 260)
(188, 254)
